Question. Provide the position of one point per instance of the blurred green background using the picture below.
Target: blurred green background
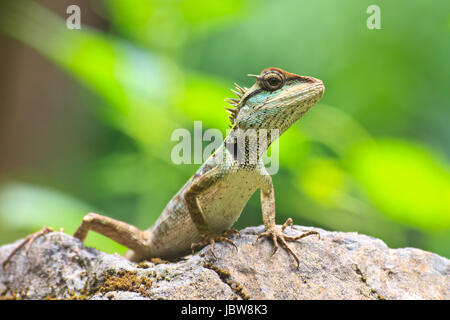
(86, 115)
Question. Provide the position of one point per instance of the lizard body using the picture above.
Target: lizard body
(221, 205)
(212, 200)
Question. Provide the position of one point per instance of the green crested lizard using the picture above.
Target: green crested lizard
(212, 200)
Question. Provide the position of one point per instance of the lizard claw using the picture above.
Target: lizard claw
(278, 235)
(211, 239)
(230, 232)
(27, 242)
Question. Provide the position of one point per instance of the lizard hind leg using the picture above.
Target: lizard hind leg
(27, 243)
(211, 239)
(121, 232)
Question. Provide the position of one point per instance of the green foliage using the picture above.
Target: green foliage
(27, 207)
(371, 157)
(406, 181)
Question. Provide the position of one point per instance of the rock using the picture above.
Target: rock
(336, 266)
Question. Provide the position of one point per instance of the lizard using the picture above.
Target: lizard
(206, 207)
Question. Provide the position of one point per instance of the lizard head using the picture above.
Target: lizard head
(275, 101)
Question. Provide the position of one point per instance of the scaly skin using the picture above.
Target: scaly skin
(212, 200)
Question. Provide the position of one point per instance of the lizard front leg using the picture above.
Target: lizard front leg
(268, 213)
(199, 185)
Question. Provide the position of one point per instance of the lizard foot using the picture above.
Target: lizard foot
(212, 238)
(278, 235)
(28, 241)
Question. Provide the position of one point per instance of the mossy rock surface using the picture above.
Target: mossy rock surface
(337, 266)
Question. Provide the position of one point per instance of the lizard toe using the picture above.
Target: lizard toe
(211, 239)
(277, 235)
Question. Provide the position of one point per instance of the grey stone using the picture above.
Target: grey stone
(337, 266)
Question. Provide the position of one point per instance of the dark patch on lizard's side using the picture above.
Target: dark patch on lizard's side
(232, 148)
(242, 156)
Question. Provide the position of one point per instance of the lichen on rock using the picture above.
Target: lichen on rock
(338, 266)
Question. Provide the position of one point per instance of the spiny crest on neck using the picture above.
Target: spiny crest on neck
(234, 102)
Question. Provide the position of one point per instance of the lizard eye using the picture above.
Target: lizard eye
(272, 81)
